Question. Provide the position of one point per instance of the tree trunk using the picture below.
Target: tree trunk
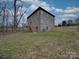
(3, 24)
(15, 18)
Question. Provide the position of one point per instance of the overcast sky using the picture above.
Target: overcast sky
(62, 9)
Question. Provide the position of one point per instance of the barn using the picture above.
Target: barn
(41, 20)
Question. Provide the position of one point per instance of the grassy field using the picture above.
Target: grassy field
(48, 45)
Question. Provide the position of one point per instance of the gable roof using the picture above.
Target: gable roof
(39, 8)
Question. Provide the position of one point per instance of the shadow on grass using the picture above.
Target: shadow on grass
(5, 57)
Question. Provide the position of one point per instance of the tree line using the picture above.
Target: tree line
(69, 22)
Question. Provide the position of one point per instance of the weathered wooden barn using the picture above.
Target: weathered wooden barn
(40, 20)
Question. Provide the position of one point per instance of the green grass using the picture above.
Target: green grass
(38, 45)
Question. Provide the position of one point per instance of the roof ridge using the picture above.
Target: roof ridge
(41, 9)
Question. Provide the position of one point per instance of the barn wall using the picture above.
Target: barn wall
(46, 21)
(34, 22)
(42, 20)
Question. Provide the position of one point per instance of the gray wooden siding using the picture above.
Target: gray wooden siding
(46, 21)
(34, 20)
(42, 20)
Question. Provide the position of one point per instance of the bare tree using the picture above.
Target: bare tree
(16, 9)
(7, 18)
(3, 8)
(4, 11)
(5, 15)
(70, 22)
(15, 17)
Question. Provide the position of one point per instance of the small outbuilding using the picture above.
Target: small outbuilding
(41, 20)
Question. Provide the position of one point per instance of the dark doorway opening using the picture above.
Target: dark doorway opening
(47, 27)
(36, 28)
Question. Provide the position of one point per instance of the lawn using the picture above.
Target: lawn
(48, 45)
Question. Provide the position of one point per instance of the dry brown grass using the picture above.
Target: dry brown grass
(57, 44)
